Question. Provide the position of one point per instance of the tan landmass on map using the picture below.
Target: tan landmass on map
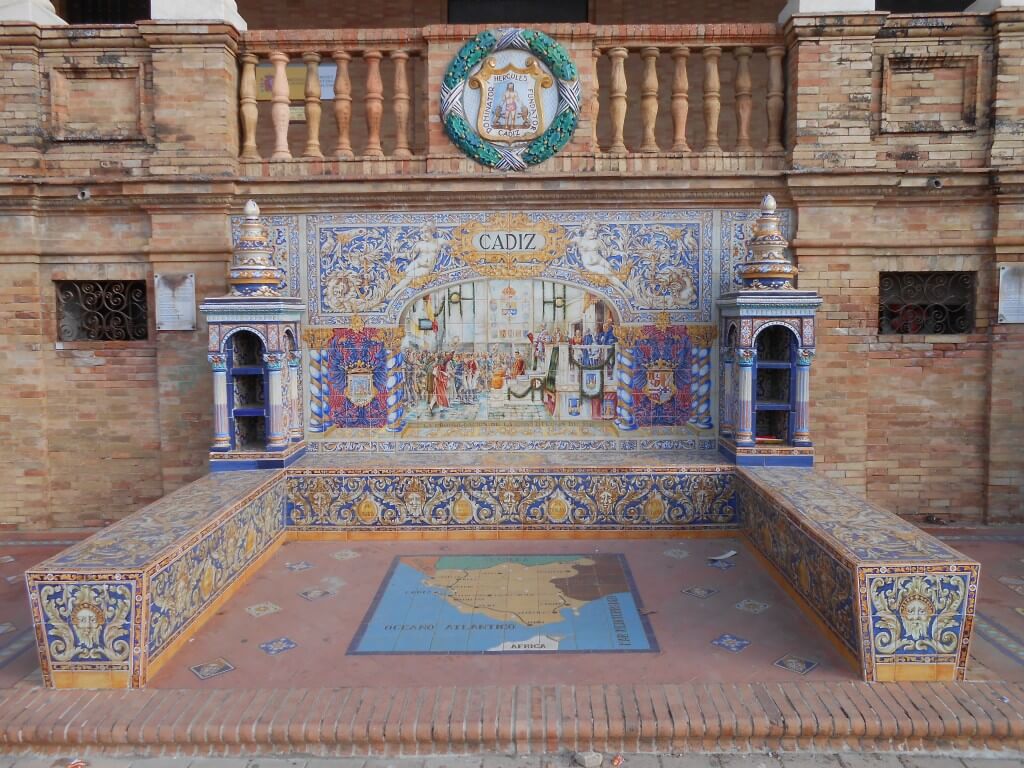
(511, 591)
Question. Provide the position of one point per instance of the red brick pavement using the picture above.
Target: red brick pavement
(525, 719)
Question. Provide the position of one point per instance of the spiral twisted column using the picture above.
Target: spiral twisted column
(700, 387)
(801, 426)
(625, 369)
(744, 397)
(316, 340)
(221, 433)
(394, 382)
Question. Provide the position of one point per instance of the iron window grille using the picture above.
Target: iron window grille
(102, 310)
(926, 302)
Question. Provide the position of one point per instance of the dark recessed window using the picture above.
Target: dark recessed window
(925, 302)
(104, 11)
(921, 6)
(101, 310)
(516, 11)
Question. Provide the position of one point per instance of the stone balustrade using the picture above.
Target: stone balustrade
(691, 97)
(370, 114)
(689, 89)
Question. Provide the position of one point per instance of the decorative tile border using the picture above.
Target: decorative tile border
(488, 499)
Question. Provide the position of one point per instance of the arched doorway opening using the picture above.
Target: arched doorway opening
(509, 350)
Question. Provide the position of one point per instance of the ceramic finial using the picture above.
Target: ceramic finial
(252, 210)
(768, 204)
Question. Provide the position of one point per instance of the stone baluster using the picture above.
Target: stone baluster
(744, 397)
(374, 101)
(221, 433)
(801, 419)
(618, 99)
(776, 98)
(680, 99)
(595, 100)
(649, 99)
(276, 436)
(744, 98)
(280, 110)
(342, 105)
(712, 98)
(249, 110)
(401, 100)
(312, 106)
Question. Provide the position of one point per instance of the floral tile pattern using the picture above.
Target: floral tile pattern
(677, 553)
(262, 609)
(301, 565)
(702, 593)
(752, 606)
(280, 645)
(795, 664)
(211, 668)
(730, 643)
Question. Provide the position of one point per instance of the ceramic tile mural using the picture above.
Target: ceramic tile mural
(558, 498)
(640, 262)
(736, 229)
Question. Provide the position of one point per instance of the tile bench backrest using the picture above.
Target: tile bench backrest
(901, 600)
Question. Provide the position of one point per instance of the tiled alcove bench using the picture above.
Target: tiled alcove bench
(111, 610)
(894, 597)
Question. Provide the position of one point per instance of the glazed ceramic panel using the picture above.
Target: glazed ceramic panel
(493, 499)
(640, 262)
(283, 232)
(736, 227)
(180, 590)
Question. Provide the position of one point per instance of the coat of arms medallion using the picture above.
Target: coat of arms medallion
(522, 102)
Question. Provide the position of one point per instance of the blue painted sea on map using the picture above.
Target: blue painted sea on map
(458, 605)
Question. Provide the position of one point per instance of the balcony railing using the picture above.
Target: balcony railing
(351, 102)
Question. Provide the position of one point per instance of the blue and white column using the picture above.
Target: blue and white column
(221, 433)
(801, 417)
(745, 397)
(319, 417)
(700, 387)
(394, 387)
(625, 369)
(294, 359)
(276, 437)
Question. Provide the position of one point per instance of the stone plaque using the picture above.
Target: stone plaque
(1011, 293)
(175, 301)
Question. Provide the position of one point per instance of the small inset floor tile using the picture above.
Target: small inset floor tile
(211, 668)
(752, 606)
(700, 592)
(315, 593)
(1012, 582)
(6, 558)
(344, 554)
(280, 645)
(722, 565)
(301, 565)
(15, 579)
(796, 664)
(677, 553)
(730, 643)
(262, 609)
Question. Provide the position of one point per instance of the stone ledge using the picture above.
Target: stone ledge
(533, 719)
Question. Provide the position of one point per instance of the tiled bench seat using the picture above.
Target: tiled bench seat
(112, 609)
(898, 599)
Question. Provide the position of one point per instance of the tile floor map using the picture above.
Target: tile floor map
(506, 604)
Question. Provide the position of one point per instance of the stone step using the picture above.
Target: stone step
(527, 719)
